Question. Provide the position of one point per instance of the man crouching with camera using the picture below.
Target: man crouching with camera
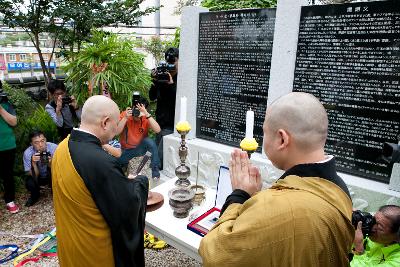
(133, 128)
(377, 238)
(37, 165)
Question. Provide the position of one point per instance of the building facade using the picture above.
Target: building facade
(23, 61)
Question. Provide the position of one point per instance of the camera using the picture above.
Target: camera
(66, 100)
(164, 67)
(3, 96)
(137, 99)
(44, 157)
(162, 71)
(367, 220)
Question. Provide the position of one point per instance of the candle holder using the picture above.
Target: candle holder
(249, 145)
(183, 171)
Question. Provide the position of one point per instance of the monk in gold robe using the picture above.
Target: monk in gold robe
(99, 211)
(304, 219)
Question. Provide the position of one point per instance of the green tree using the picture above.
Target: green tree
(177, 38)
(182, 3)
(216, 5)
(81, 17)
(34, 17)
(68, 21)
(108, 61)
(156, 47)
(13, 37)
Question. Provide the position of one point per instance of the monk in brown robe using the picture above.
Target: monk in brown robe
(99, 211)
(304, 219)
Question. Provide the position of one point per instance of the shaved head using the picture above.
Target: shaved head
(392, 212)
(100, 116)
(96, 108)
(302, 116)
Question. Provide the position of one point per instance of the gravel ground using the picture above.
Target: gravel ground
(39, 219)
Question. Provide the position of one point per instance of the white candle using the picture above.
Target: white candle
(249, 123)
(183, 108)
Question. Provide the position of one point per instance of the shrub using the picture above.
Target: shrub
(30, 116)
(107, 59)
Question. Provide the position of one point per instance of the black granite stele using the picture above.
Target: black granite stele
(349, 57)
(235, 49)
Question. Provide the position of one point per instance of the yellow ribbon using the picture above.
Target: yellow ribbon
(49, 236)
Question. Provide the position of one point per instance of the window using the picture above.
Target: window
(22, 57)
(11, 57)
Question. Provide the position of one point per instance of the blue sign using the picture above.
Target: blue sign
(27, 66)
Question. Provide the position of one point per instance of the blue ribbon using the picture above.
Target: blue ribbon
(12, 255)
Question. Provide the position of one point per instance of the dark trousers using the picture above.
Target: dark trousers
(160, 143)
(33, 184)
(7, 159)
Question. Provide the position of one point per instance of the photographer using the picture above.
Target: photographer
(37, 165)
(63, 109)
(133, 128)
(381, 247)
(165, 78)
(8, 120)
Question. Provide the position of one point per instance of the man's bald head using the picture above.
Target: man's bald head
(100, 117)
(302, 116)
(96, 108)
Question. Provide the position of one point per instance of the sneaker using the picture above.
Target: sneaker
(12, 207)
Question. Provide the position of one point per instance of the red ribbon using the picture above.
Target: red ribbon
(43, 255)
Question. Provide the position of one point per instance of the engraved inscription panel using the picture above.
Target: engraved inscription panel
(235, 49)
(349, 57)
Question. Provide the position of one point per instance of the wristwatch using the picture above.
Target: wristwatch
(148, 117)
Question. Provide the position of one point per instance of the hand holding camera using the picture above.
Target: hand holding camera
(142, 110)
(128, 112)
(139, 105)
(64, 100)
(163, 71)
(44, 157)
(367, 221)
(36, 158)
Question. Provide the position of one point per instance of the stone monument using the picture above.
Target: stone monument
(211, 139)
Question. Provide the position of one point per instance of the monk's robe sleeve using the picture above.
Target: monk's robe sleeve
(241, 234)
(122, 202)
